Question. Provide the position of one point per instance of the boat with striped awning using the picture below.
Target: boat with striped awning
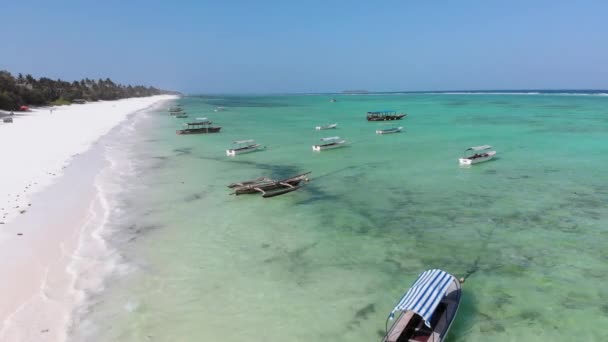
(427, 309)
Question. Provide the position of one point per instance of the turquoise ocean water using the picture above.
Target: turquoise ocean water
(328, 262)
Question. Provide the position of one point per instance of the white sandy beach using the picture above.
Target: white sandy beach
(46, 207)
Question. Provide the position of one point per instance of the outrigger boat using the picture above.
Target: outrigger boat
(426, 311)
(481, 155)
(389, 130)
(201, 127)
(384, 115)
(269, 187)
(243, 146)
(332, 126)
(329, 143)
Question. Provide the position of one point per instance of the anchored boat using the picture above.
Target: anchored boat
(243, 146)
(332, 126)
(389, 130)
(480, 154)
(182, 116)
(200, 127)
(384, 115)
(175, 110)
(269, 187)
(329, 143)
(426, 311)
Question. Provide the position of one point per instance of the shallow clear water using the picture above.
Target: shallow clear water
(328, 262)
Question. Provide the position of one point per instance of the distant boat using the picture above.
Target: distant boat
(181, 116)
(389, 130)
(219, 109)
(329, 143)
(384, 115)
(479, 156)
(332, 126)
(200, 127)
(175, 110)
(243, 146)
(426, 311)
(268, 187)
(332, 100)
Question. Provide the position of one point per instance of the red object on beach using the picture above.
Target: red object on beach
(24, 108)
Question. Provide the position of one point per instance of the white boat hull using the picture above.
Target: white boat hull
(234, 152)
(328, 147)
(398, 130)
(471, 161)
(321, 128)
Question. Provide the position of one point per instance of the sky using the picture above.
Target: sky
(285, 46)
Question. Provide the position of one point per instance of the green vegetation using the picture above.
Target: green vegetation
(19, 91)
(60, 102)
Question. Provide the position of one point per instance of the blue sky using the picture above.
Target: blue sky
(311, 46)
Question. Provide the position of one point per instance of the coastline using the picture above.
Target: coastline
(41, 250)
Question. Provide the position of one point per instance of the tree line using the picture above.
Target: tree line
(26, 90)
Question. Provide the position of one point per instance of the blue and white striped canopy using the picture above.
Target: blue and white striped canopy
(425, 294)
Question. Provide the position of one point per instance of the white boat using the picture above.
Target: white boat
(243, 146)
(332, 126)
(481, 154)
(389, 130)
(426, 311)
(329, 143)
(219, 109)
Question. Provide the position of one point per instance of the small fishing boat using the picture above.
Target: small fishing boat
(426, 311)
(332, 100)
(389, 130)
(332, 126)
(249, 182)
(219, 109)
(243, 146)
(181, 116)
(175, 110)
(200, 127)
(268, 187)
(329, 143)
(480, 155)
(384, 115)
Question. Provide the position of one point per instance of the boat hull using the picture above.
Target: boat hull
(234, 152)
(389, 131)
(471, 161)
(320, 148)
(385, 117)
(198, 130)
(322, 128)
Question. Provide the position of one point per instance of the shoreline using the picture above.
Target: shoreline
(42, 251)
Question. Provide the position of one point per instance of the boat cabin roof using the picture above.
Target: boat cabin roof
(479, 148)
(425, 294)
(330, 138)
(248, 141)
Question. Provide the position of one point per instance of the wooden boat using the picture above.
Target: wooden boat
(426, 311)
(480, 155)
(329, 143)
(332, 126)
(199, 127)
(175, 110)
(249, 182)
(268, 187)
(243, 146)
(181, 116)
(384, 115)
(389, 130)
